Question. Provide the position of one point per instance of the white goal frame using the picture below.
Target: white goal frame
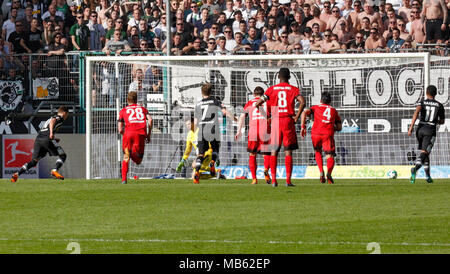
(90, 59)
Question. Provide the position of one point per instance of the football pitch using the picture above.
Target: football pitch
(224, 217)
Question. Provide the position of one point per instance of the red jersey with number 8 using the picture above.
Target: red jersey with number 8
(135, 119)
(325, 117)
(282, 96)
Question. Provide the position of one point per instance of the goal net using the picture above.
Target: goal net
(375, 95)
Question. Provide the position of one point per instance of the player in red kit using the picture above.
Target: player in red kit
(326, 122)
(258, 136)
(280, 100)
(135, 123)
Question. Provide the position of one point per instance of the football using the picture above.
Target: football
(392, 174)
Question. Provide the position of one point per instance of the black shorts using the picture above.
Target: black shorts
(433, 29)
(42, 146)
(426, 139)
(203, 146)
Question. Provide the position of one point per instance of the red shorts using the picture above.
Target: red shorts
(259, 139)
(324, 141)
(134, 142)
(283, 133)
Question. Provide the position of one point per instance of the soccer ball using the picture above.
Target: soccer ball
(392, 174)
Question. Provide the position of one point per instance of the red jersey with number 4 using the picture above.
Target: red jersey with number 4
(283, 97)
(135, 119)
(325, 117)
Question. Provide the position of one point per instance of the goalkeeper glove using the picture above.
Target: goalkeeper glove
(181, 165)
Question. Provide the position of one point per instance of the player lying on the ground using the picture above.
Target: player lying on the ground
(431, 114)
(280, 100)
(258, 134)
(135, 123)
(47, 143)
(326, 122)
(191, 143)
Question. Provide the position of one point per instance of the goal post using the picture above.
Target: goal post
(375, 95)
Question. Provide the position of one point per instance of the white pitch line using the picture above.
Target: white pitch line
(223, 241)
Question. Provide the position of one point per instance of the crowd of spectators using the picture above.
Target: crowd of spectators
(223, 26)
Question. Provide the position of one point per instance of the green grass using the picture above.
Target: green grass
(226, 216)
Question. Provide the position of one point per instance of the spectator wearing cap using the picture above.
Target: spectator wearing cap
(295, 36)
(316, 20)
(326, 11)
(252, 40)
(80, 34)
(205, 22)
(395, 43)
(375, 41)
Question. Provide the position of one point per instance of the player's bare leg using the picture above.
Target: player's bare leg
(330, 166)
(125, 164)
(23, 169)
(252, 165)
(319, 161)
(289, 165)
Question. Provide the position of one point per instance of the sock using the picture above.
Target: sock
(426, 166)
(319, 161)
(421, 159)
(198, 163)
(252, 165)
(124, 170)
(273, 167)
(330, 165)
(59, 164)
(27, 166)
(266, 162)
(288, 164)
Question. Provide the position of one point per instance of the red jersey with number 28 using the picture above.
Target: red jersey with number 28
(135, 119)
(282, 96)
(325, 117)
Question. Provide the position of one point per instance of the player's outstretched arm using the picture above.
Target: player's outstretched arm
(240, 126)
(414, 118)
(306, 112)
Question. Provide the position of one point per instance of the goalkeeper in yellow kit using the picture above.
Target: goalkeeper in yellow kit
(191, 142)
